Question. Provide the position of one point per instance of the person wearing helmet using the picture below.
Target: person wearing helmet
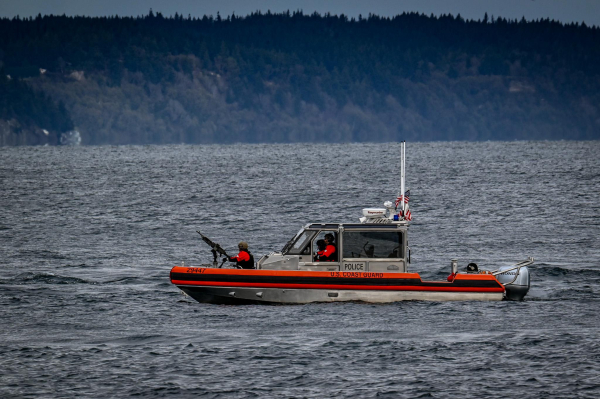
(472, 268)
(244, 260)
(321, 246)
(330, 252)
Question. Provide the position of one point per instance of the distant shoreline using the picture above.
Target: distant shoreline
(295, 77)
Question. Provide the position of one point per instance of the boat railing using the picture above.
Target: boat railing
(517, 267)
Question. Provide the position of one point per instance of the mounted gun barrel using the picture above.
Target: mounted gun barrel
(215, 247)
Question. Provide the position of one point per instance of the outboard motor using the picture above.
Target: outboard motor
(516, 281)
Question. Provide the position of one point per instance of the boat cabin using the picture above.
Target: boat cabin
(360, 247)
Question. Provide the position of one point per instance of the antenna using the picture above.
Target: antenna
(402, 171)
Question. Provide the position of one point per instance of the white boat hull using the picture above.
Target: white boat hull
(237, 295)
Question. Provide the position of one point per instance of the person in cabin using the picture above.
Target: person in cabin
(321, 248)
(244, 259)
(330, 252)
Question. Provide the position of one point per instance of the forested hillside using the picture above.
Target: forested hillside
(22, 112)
(295, 77)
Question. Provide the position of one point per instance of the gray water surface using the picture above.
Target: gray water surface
(88, 236)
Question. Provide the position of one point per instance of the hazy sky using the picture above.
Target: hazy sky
(562, 10)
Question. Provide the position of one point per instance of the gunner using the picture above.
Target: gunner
(244, 260)
(330, 253)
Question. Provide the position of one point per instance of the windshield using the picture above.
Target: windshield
(291, 241)
(301, 242)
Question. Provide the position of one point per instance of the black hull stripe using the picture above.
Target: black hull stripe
(413, 282)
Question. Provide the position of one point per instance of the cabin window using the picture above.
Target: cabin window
(373, 244)
(301, 245)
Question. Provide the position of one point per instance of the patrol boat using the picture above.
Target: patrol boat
(371, 266)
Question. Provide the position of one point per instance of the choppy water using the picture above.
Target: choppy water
(88, 236)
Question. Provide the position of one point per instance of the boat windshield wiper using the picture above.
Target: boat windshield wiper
(292, 241)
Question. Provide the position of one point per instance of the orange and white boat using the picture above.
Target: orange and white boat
(370, 265)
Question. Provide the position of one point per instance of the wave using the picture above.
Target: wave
(557, 271)
(124, 280)
(44, 278)
(52, 278)
(43, 254)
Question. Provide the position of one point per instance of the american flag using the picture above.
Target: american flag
(406, 214)
(406, 198)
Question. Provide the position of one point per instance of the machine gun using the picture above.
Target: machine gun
(215, 248)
